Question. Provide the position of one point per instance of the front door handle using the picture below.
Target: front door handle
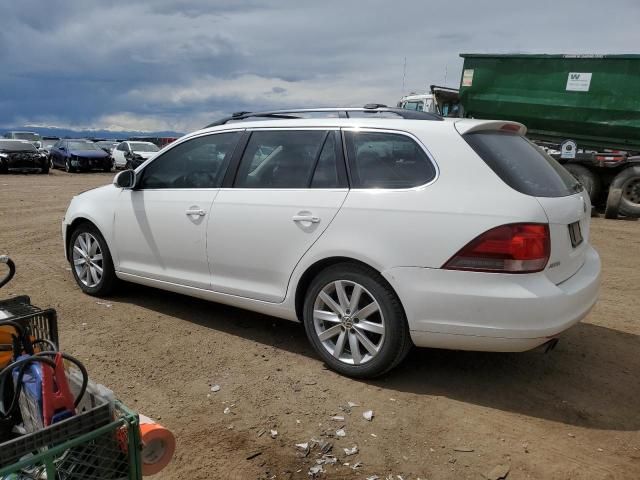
(306, 218)
(196, 211)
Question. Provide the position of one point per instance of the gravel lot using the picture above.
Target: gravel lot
(570, 414)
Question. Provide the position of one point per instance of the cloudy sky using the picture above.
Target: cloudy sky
(176, 65)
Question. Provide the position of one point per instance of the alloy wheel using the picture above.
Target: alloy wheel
(87, 259)
(349, 322)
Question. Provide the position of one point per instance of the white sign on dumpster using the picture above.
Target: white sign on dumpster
(578, 82)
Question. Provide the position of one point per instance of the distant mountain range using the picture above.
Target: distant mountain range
(106, 134)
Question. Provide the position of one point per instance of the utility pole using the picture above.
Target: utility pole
(404, 75)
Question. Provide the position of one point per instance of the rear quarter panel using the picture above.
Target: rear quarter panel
(425, 226)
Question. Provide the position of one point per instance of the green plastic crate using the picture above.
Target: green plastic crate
(110, 451)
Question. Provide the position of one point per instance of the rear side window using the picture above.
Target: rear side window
(387, 160)
(287, 159)
(522, 165)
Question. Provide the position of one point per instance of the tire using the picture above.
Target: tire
(51, 164)
(67, 166)
(613, 203)
(45, 170)
(3, 167)
(386, 327)
(587, 178)
(628, 181)
(89, 279)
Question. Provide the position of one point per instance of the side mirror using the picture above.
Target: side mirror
(125, 179)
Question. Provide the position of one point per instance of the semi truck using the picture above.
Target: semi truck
(584, 110)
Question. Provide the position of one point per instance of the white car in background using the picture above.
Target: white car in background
(131, 154)
(377, 233)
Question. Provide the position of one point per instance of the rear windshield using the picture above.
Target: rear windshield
(522, 165)
(17, 146)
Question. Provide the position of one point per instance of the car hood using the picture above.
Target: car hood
(145, 155)
(89, 153)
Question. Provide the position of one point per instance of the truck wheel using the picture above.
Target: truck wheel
(613, 203)
(587, 178)
(628, 181)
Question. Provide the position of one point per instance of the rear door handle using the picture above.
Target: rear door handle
(196, 211)
(306, 218)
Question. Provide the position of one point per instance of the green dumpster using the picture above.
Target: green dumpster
(592, 99)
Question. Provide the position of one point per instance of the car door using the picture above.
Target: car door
(118, 154)
(160, 225)
(58, 153)
(288, 188)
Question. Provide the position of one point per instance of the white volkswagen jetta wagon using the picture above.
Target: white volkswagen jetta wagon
(376, 233)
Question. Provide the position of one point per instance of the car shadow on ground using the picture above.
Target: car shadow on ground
(589, 380)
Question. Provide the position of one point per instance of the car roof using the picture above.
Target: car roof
(139, 141)
(462, 125)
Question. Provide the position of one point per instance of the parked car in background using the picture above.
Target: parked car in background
(131, 154)
(32, 137)
(376, 233)
(79, 154)
(21, 156)
(107, 145)
(48, 143)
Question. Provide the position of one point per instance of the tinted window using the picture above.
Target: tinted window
(280, 159)
(197, 163)
(326, 172)
(387, 160)
(522, 165)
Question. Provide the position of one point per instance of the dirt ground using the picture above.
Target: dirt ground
(570, 414)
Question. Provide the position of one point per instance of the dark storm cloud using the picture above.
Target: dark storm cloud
(175, 64)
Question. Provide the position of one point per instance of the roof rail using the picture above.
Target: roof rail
(342, 112)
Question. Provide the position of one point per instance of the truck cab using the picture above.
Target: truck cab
(441, 100)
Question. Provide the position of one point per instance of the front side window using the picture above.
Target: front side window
(282, 159)
(387, 160)
(197, 163)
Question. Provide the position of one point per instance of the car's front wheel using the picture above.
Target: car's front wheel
(355, 321)
(91, 261)
(67, 166)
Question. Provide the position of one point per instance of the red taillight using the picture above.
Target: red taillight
(513, 248)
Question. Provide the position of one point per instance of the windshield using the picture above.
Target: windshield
(143, 147)
(32, 137)
(82, 146)
(16, 146)
(413, 105)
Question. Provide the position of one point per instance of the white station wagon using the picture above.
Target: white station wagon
(378, 229)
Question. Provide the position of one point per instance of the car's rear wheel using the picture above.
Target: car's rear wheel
(91, 261)
(355, 321)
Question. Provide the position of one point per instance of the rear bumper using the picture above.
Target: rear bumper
(492, 312)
